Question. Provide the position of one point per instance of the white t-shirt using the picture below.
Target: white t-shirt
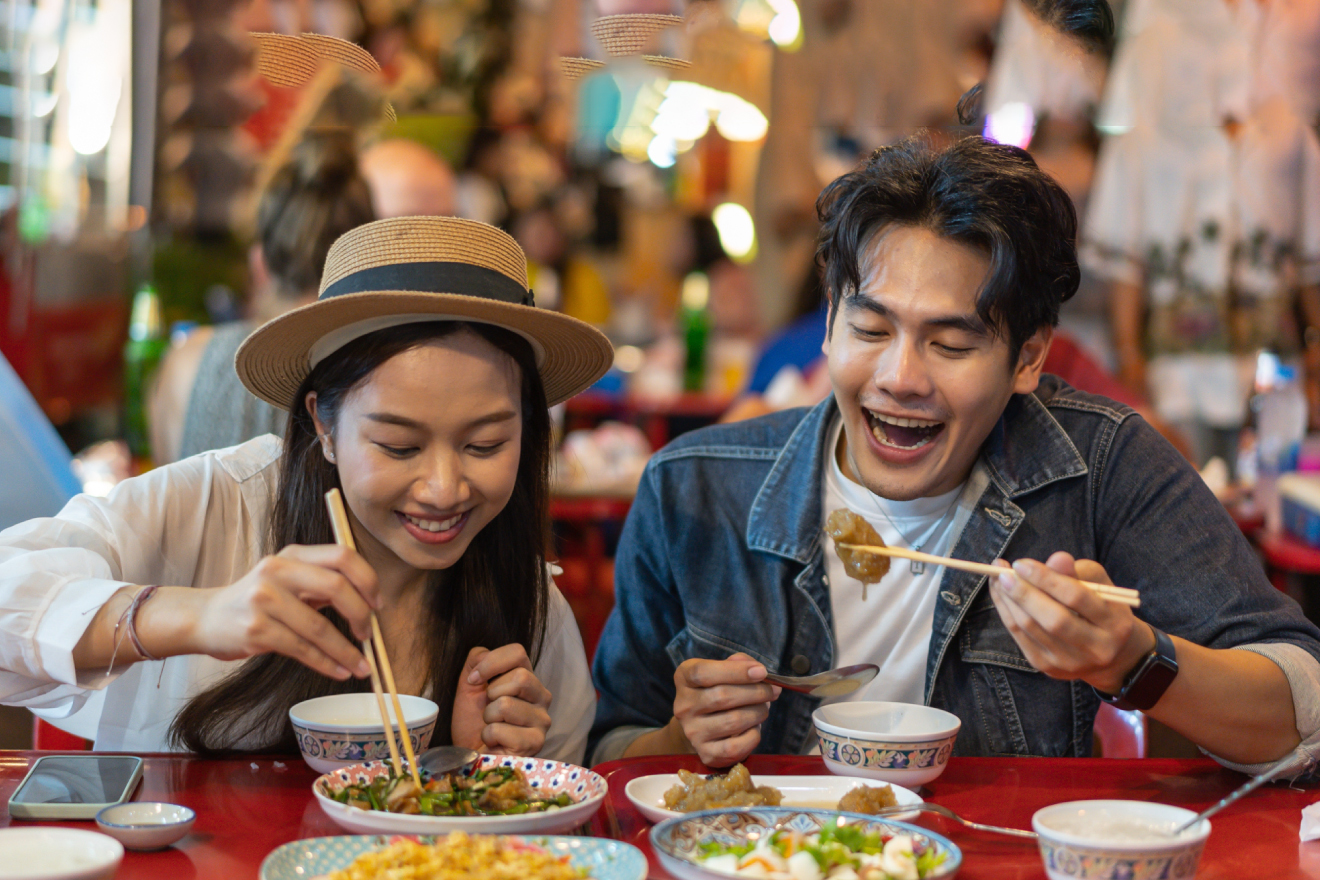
(198, 522)
(891, 627)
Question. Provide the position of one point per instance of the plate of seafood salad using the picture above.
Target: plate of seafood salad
(780, 843)
(499, 794)
(457, 855)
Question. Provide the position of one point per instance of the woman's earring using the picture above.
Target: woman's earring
(325, 447)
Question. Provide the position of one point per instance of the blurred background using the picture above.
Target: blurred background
(163, 188)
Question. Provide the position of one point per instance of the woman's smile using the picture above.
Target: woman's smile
(430, 530)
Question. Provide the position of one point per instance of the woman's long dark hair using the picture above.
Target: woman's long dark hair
(496, 594)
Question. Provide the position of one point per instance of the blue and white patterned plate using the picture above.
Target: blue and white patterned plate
(676, 841)
(308, 859)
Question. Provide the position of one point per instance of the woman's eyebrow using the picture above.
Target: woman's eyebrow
(387, 418)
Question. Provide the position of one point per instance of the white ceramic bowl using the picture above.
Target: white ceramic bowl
(144, 825)
(345, 729)
(901, 743)
(587, 789)
(1118, 840)
(647, 793)
(47, 853)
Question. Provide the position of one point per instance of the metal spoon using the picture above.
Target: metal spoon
(1283, 765)
(928, 807)
(446, 759)
(832, 683)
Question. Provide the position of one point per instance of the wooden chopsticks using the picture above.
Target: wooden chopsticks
(1120, 595)
(380, 664)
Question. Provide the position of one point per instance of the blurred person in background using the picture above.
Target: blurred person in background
(408, 179)
(325, 190)
(198, 403)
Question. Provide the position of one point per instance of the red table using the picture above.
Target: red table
(244, 812)
(1255, 839)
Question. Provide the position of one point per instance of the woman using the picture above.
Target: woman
(418, 384)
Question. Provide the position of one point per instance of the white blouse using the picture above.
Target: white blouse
(198, 522)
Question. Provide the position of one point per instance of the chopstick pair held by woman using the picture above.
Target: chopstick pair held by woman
(417, 384)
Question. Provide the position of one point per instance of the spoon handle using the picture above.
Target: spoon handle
(1250, 786)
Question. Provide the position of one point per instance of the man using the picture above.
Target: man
(945, 270)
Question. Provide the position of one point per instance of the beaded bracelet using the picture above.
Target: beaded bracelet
(131, 626)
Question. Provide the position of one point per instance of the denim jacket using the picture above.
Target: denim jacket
(723, 552)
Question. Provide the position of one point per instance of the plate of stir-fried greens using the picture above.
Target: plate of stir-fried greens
(500, 794)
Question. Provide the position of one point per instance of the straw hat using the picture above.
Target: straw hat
(411, 269)
(664, 62)
(573, 68)
(292, 62)
(576, 68)
(630, 34)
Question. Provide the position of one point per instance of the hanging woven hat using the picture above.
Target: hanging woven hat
(576, 68)
(630, 34)
(413, 269)
(292, 62)
(664, 62)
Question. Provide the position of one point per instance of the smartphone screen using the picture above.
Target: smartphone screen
(78, 779)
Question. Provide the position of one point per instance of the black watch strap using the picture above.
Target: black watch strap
(1149, 680)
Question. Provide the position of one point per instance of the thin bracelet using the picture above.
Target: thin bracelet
(143, 595)
(117, 638)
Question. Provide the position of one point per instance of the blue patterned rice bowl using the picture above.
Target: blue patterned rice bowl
(901, 743)
(345, 729)
(1118, 840)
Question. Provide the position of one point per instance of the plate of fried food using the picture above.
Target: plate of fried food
(499, 794)
(667, 795)
(457, 855)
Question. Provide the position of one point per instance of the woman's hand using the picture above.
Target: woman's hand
(500, 706)
(273, 609)
(1063, 628)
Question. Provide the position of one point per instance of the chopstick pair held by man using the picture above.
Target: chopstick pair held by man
(945, 268)
(418, 385)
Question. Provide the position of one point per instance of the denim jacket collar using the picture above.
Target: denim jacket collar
(1027, 449)
(786, 517)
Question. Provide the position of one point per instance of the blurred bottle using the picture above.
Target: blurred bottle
(1281, 427)
(696, 329)
(146, 345)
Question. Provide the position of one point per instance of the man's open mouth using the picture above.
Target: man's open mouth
(902, 433)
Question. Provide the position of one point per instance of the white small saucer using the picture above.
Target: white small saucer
(146, 826)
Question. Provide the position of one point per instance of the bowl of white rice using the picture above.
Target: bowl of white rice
(1118, 840)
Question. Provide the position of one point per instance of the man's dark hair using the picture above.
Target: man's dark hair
(981, 194)
(1091, 21)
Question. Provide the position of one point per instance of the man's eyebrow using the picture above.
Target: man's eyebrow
(970, 324)
(387, 418)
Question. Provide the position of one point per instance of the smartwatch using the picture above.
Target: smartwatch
(1145, 685)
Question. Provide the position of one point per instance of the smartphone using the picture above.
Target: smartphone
(75, 786)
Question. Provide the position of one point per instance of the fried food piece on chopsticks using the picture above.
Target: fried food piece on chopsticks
(846, 527)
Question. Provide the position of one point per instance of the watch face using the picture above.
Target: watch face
(1150, 682)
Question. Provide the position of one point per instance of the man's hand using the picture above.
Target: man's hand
(1063, 628)
(720, 705)
(500, 706)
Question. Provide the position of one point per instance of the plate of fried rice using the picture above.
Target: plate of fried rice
(456, 856)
